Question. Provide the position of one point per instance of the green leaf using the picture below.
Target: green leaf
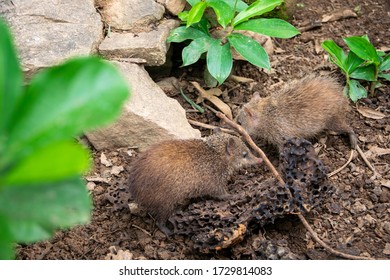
(257, 8)
(241, 5)
(362, 48)
(269, 26)
(352, 62)
(183, 33)
(34, 212)
(337, 54)
(10, 80)
(6, 242)
(385, 65)
(50, 163)
(223, 11)
(384, 76)
(366, 72)
(193, 2)
(203, 25)
(66, 100)
(183, 16)
(196, 13)
(250, 50)
(356, 90)
(219, 60)
(195, 49)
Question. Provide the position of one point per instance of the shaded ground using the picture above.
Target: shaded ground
(354, 219)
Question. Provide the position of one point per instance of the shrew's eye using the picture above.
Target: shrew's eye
(244, 154)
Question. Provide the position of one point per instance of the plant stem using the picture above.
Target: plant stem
(374, 83)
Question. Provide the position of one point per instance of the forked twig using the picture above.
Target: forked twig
(209, 126)
(252, 144)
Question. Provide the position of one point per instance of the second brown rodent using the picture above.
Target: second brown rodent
(303, 108)
(172, 172)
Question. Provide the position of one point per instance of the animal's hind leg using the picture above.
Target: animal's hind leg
(341, 127)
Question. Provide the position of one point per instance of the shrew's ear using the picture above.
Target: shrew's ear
(231, 146)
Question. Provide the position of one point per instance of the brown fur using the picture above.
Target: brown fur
(302, 109)
(170, 173)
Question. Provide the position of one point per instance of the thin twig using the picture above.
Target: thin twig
(280, 179)
(141, 229)
(209, 126)
(376, 174)
(342, 167)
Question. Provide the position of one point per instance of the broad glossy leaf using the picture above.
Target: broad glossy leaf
(240, 6)
(223, 11)
(183, 33)
(196, 13)
(337, 54)
(362, 48)
(366, 72)
(10, 79)
(6, 242)
(269, 26)
(356, 90)
(250, 50)
(34, 212)
(257, 8)
(385, 65)
(352, 62)
(66, 100)
(51, 163)
(195, 49)
(219, 60)
(384, 76)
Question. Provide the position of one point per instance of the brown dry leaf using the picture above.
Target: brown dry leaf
(211, 95)
(370, 113)
(338, 16)
(385, 183)
(240, 79)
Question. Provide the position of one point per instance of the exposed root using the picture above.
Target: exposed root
(342, 167)
(249, 140)
(376, 174)
(209, 126)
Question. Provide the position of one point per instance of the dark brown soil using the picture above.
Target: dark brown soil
(354, 219)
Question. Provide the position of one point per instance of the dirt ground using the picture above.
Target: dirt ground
(354, 218)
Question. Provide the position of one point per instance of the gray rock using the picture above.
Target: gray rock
(173, 6)
(130, 15)
(149, 46)
(47, 32)
(147, 118)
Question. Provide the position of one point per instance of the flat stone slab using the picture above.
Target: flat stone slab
(47, 32)
(150, 46)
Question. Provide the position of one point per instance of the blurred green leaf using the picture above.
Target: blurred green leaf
(384, 76)
(269, 26)
(50, 163)
(195, 49)
(193, 2)
(219, 60)
(10, 80)
(250, 50)
(34, 212)
(385, 65)
(183, 33)
(356, 90)
(203, 25)
(366, 73)
(337, 54)
(223, 11)
(257, 8)
(62, 102)
(196, 13)
(183, 16)
(6, 242)
(362, 48)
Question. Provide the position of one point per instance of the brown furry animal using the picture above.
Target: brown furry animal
(302, 109)
(170, 173)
